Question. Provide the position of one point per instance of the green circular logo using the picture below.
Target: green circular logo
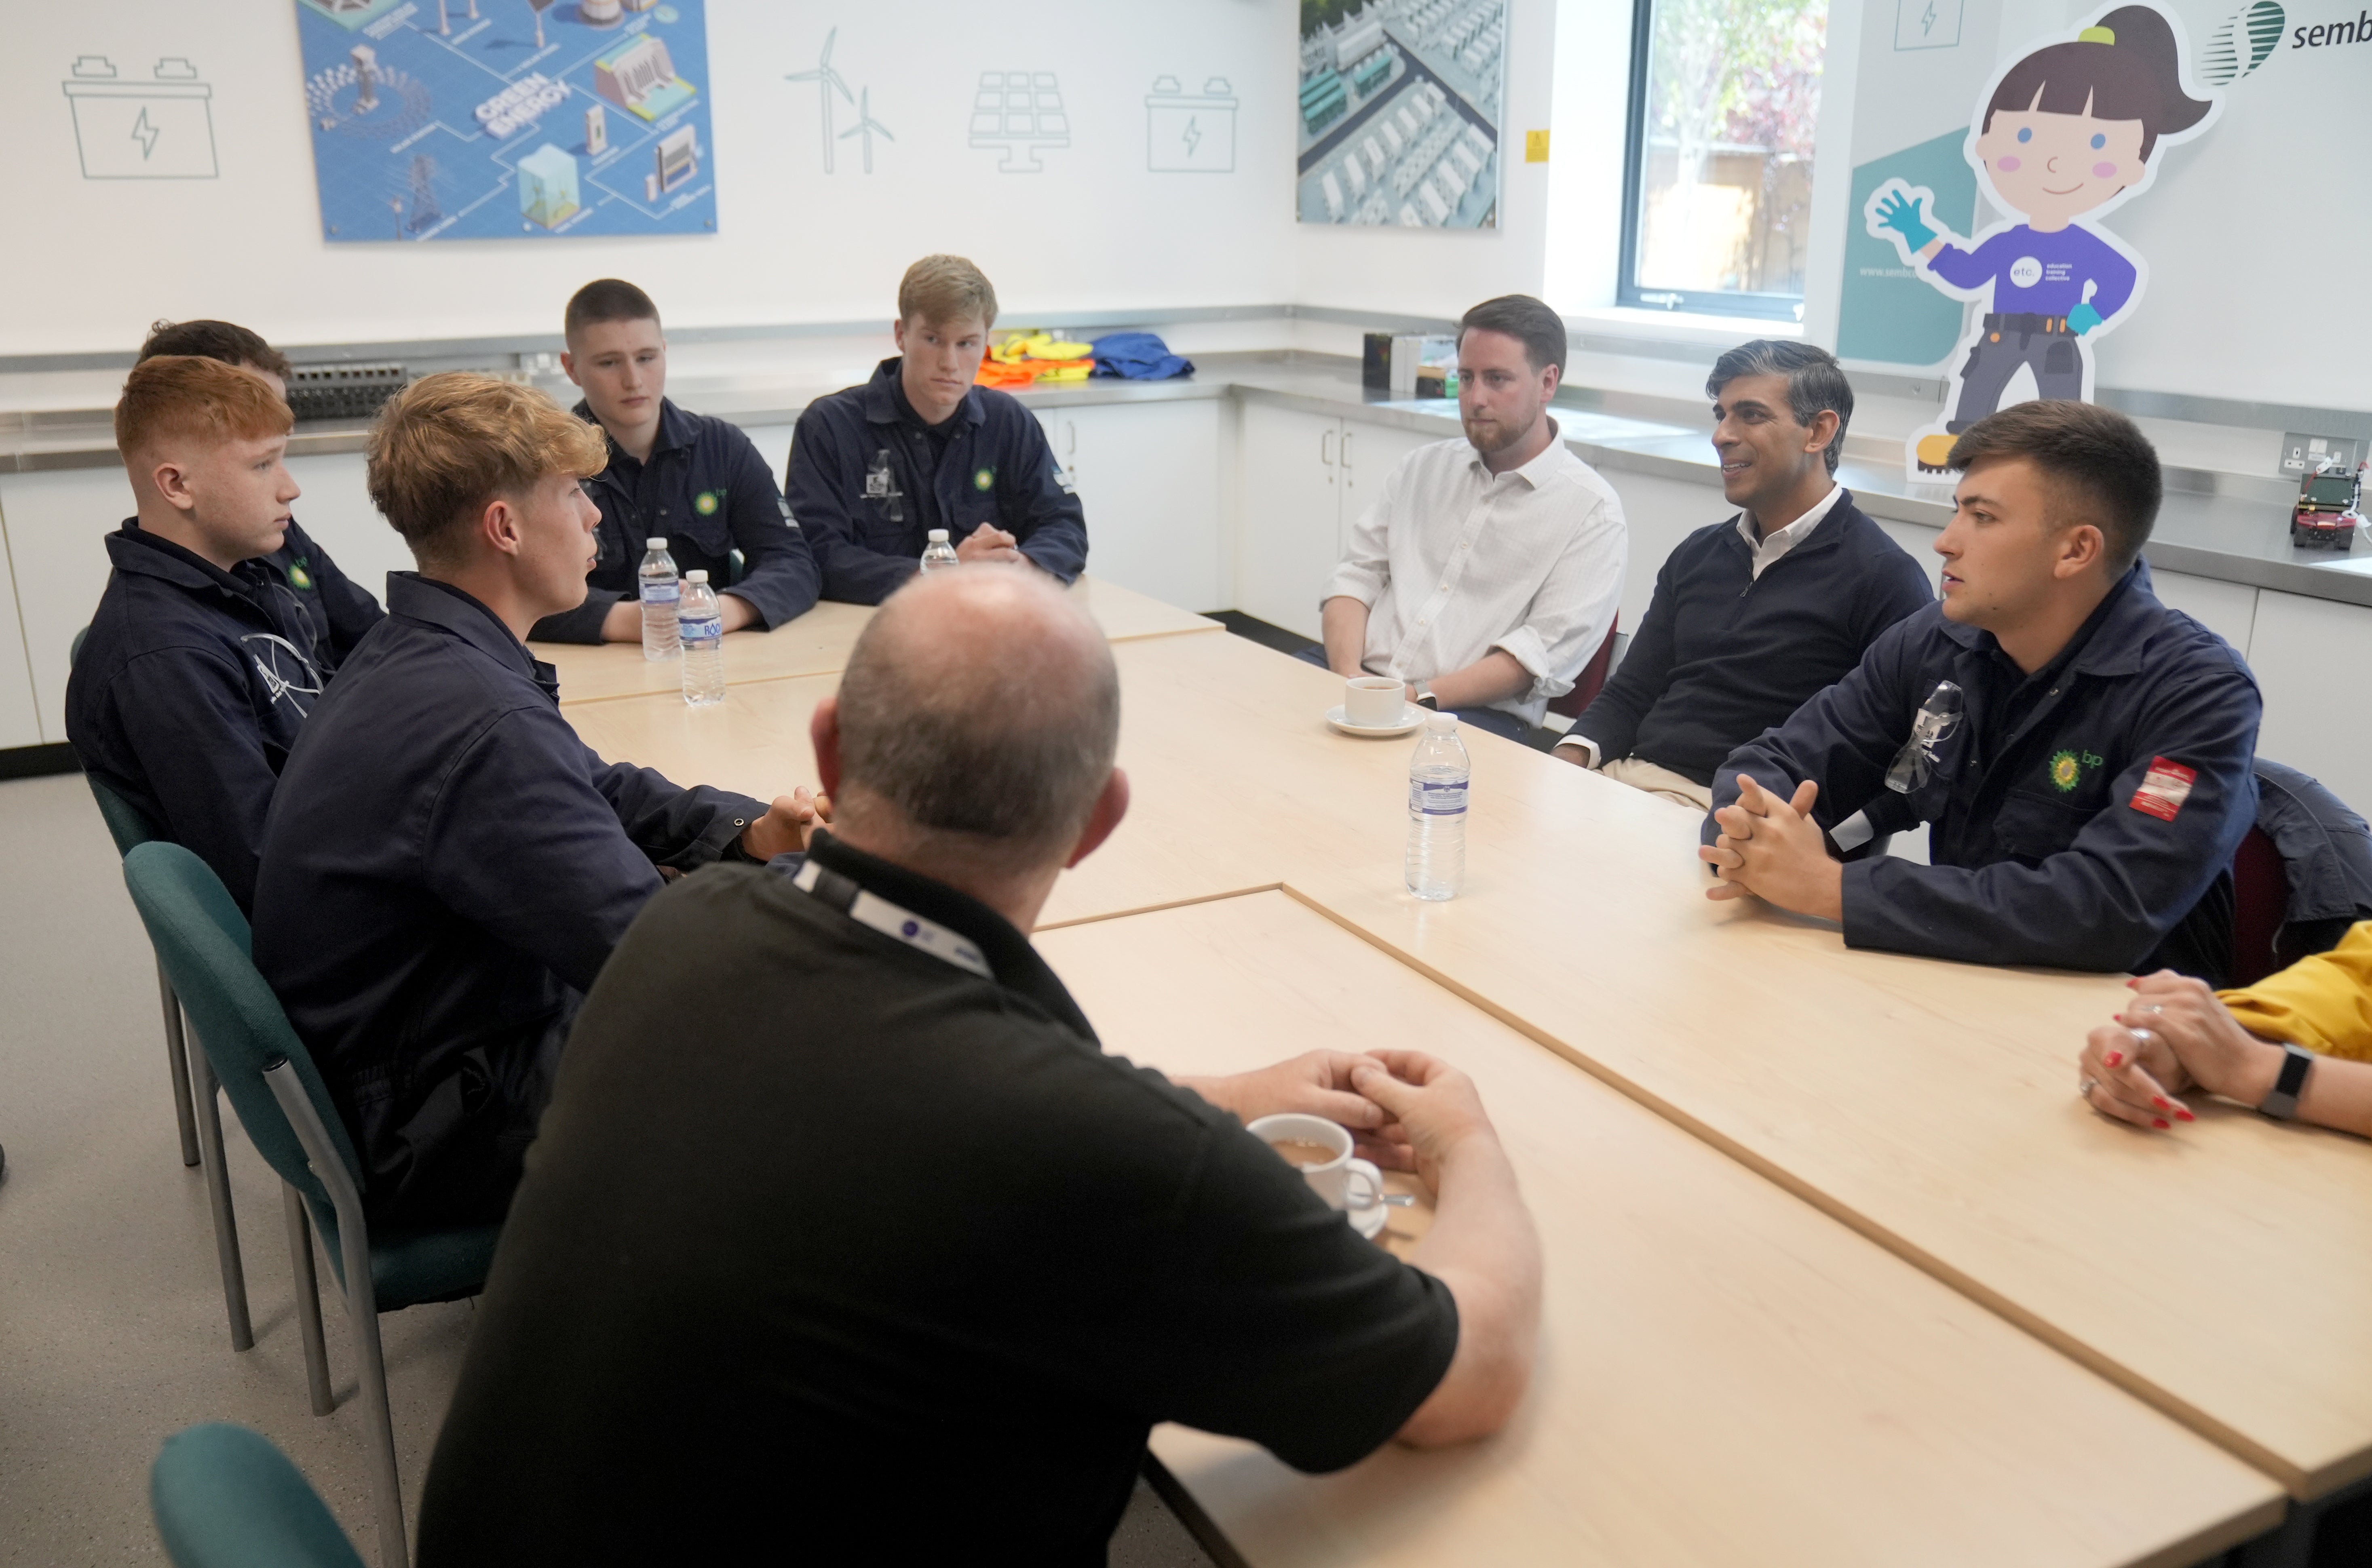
(297, 577)
(983, 479)
(2066, 771)
(704, 503)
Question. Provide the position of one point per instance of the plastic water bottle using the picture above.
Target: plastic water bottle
(657, 582)
(1437, 840)
(938, 552)
(703, 641)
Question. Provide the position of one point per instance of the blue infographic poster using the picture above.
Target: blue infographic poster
(509, 118)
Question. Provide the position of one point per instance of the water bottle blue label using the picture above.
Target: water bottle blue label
(1437, 799)
(700, 630)
(665, 592)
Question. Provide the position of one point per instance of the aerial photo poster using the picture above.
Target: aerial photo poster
(1401, 110)
(509, 118)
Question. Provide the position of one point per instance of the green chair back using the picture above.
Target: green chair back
(202, 941)
(225, 1497)
(127, 823)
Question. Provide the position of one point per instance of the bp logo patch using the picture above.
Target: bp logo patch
(983, 479)
(297, 577)
(704, 503)
(2067, 767)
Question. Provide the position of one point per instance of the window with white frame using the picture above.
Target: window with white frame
(1717, 173)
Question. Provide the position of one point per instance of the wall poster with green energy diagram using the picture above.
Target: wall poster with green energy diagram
(509, 118)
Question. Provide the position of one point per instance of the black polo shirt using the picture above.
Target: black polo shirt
(446, 868)
(831, 1244)
(192, 681)
(868, 481)
(705, 490)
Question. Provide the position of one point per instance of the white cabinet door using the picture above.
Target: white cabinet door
(20, 719)
(1368, 456)
(58, 523)
(1147, 476)
(2311, 656)
(1290, 515)
(2229, 610)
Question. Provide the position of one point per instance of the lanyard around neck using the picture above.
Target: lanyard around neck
(893, 921)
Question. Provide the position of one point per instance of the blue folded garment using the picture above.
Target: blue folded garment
(1138, 356)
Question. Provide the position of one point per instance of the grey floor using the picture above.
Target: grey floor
(111, 1327)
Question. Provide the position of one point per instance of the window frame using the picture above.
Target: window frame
(1628, 291)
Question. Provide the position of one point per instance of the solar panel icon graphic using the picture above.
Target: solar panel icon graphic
(1021, 112)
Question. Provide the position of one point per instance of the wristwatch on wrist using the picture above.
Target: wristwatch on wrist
(2281, 1103)
(1424, 697)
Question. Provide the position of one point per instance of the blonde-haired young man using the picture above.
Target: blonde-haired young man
(873, 469)
(202, 658)
(446, 867)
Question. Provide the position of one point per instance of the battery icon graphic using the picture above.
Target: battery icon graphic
(162, 129)
(1190, 133)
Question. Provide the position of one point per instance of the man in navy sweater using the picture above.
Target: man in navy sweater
(2082, 750)
(1752, 615)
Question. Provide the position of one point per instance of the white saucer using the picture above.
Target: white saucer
(1370, 1223)
(1410, 717)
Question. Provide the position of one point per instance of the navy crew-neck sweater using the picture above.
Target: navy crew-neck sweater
(1724, 655)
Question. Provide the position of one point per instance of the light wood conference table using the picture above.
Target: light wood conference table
(1726, 1375)
(2218, 1273)
(817, 644)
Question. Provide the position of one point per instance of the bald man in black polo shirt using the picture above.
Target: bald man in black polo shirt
(886, 1228)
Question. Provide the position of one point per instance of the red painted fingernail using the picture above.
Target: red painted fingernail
(2184, 1116)
(2132, 985)
(2116, 1059)
(2159, 1100)
(2160, 1123)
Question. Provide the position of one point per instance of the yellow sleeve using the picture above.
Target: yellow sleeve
(2323, 1002)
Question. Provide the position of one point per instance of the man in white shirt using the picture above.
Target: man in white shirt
(1490, 569)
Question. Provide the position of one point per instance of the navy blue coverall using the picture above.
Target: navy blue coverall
(446, 868)
(193, 681)
(2085, 817)
(868, 481)
(707, 492)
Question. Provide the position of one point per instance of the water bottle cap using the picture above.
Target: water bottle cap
(939, 535)
(696, 575)
(1441, 724)
(655, 542)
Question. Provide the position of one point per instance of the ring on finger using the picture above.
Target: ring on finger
(2084, 1089)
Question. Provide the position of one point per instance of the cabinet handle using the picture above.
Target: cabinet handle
(1325, 453)
(1071, 432)
(1346, 459)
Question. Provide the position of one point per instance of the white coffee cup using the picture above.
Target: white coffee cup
(1344, 1182)
(1373, 702)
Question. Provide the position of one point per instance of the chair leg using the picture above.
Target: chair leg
(387, 1488)
(177, 1055)
(308, 1299)
(210, 1143)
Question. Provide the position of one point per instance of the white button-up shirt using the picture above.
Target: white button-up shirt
(1453, 561)
(1779, 541)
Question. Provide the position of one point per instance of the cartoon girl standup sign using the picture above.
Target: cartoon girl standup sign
(2066, 133)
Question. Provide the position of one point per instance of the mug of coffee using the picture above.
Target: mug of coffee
(1320, 1150)
(1373, 702)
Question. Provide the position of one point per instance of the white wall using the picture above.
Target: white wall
(1095, 231)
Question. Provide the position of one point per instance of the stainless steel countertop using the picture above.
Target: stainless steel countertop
(2234, 530)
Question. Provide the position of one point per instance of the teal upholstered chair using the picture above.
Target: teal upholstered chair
(226, 1497)
(193, 1087)
(273, 1084)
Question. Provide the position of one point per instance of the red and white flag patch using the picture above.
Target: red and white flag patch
(2164, 789)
